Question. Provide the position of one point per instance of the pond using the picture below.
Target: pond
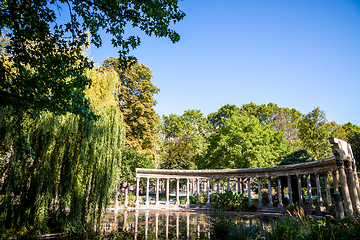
(183, 224)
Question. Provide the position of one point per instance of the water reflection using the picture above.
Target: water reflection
(157, 224)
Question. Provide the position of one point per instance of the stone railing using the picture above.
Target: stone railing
(343, 164)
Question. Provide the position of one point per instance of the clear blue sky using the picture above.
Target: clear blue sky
(297, 54)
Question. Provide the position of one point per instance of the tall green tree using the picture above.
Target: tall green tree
(183, 139)
(44, 66)
(217, 119)
(314, 132)
(135, 97)
(243, 143)
(353, 137)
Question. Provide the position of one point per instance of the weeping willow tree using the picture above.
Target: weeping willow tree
(59, 175)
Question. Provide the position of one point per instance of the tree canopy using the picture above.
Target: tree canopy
(43, 68)
(242, 143)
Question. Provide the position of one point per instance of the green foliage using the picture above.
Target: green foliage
(353, 137)
(242, 143)
(229, 201)
(300, 156)
(296, 225)
(63, 179)
(183, 140)
(44, 66)
(217, 119)
(221, 228)
(135, 100)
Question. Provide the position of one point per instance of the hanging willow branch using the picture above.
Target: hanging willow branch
(61, 176)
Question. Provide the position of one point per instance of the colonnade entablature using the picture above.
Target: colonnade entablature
(341, 166)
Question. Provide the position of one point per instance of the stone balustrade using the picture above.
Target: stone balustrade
(342, 165)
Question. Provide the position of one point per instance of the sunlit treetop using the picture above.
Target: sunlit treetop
(44, 64)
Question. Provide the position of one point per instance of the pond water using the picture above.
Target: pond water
(165, 224)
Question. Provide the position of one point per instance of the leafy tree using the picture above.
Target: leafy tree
(64, 182)
(217, 119)
(44, 66)
(314, 132)
(135, 100)
(353, 137)
(183, 139)
(243, 143)
(281, 119)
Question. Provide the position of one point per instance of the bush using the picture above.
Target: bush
(229, 201)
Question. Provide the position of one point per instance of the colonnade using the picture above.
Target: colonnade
(341, 166)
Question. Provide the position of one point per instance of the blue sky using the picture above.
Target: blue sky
(297, 54)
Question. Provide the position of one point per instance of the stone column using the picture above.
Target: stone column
(137, 192)
(328, 195)
(280, 205)
(218, 186)
(177, 192)
(198, 192)
(309, 191)
(348, 208)
(269, 192)
(335, 181)
(299, 190)
(290, 190)
(187, 193)
(157, 192)
(228, 184)
(356, 178)
(239, 185)
(249, 190)
(208, 194)
(318, 188)
(167, 203)
(147, 192)
(352, 187)
(259, 193)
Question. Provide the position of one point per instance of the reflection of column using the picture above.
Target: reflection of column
(167, 192)
(309, 191)
(280, 205)
(198, 192)
(137, 192)
(125, 221)
(147, 192)
(269, 192)
(259, 193)
(156, 225)
(187, 226)
(136, 223)
(228, 184)
(177, 192)
(126, 197)
(290, 190)
(318, 188)
(146, 224)
(157, 192)
(177, 225)
(299, 190)
(198, 225)
(327, 189)
(187, 193)
(208, 194)
(167, 226)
